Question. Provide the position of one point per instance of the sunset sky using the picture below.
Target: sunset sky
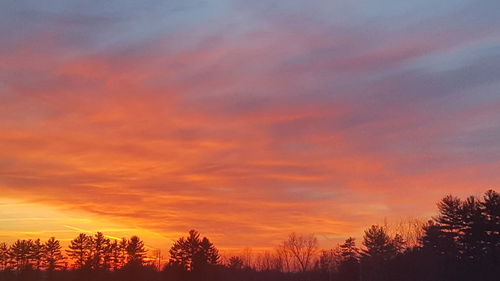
(245, 120)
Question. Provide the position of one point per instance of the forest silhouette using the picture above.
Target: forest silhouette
(462, 242)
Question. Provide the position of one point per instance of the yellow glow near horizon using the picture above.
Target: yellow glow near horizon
(21, 220)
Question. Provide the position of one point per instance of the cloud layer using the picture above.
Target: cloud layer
(246, 121)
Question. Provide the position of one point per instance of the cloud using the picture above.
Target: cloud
(245, 133)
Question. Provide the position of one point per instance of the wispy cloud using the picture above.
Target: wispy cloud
(247, 121)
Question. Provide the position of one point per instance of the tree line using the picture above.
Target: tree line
(462, 242)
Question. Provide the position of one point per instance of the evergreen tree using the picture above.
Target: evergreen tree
(472, 235)
(123, 257)
(80, 250)
(37, 251)
(378, 243)
(52, 254)
(192, 253)
(379, 250)
(348, 249)
(99, 250)
(4, 256)
(349, 265)
(20, 254)
(114, 260)
(136, 251)
(491, 209)
(208, 254)
(450, 217)
(436, 241)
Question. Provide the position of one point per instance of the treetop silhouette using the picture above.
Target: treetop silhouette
(461, 243)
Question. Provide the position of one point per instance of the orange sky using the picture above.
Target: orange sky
(244, 133)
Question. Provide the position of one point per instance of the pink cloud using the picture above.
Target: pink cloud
(246, 141)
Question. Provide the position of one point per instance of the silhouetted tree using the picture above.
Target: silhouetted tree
(410, 230)
(491, 209)
(80, 250)
(473, 232)
(348, 268)
(235, 263)
(266, 261)
(302, 249)
(436, 241)
(378, 244)
(99, 249)
(329, 261)
(37, 251)
(208, 252)
(282, 254)
(461, 243)
(115, 260)
(4, 255)
(193, 253)
(20, 254)
(379, 250)
(135, 251)
(460, 238)
(450, 220)
(398, 243)
(52, 254)
(349, 251)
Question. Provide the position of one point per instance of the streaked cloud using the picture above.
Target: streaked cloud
(245, 121)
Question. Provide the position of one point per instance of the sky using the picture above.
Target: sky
(245, 120)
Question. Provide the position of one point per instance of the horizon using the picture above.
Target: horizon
(406, 236)
(244, 121)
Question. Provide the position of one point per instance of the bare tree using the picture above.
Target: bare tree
(284, 256)
(410, 229)
(266, 261)
(157, 259)
(302, 249)
(247, 255)
(329, 260)
(235, 263)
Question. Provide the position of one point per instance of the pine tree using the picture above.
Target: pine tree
(114, 257)
(349, 265)
(100, 251)
(37, 250)
(80, 250)
(380, 249)
(491, 209)
(192, 253)
(472, 236)
(52, 254)
(378, 244)
(348, 249)
(450, 218)
(4, 256)
(208, 253)
(20, 254)
(136, 251)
